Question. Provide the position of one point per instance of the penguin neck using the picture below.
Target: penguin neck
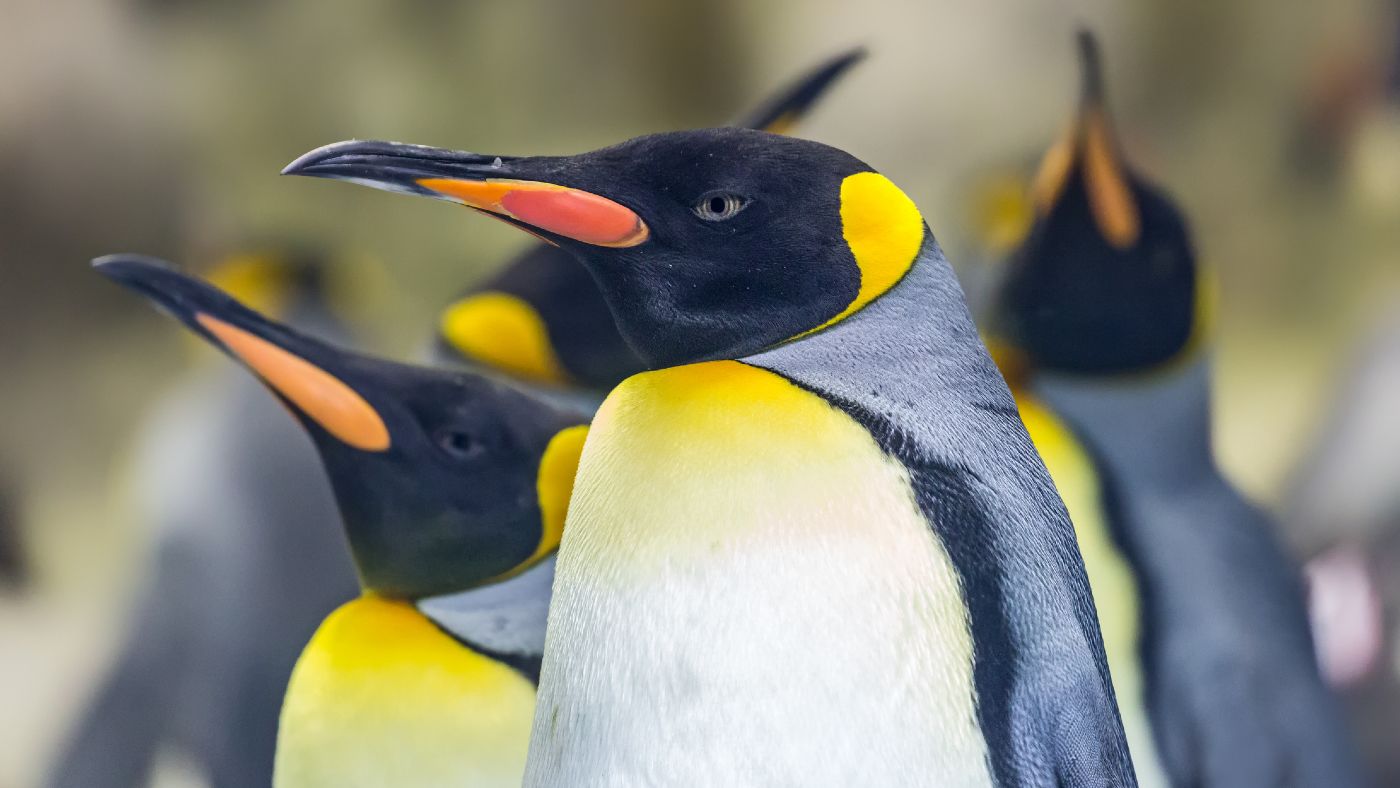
(914, 344)
(504, 620)
(1153, 427)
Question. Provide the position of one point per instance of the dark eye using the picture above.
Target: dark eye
(719, 207)
(459, 444)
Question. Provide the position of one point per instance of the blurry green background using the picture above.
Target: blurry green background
(159, 126)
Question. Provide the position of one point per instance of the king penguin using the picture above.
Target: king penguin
(452, 490)
(230, 493)
(542, 322)
(813, 546)
(1107, 306)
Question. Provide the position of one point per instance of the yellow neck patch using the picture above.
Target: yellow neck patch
(506, 333)
(884, 231)
(1207, 307)
(555, 485)
(1203, 324)
(1002, 213)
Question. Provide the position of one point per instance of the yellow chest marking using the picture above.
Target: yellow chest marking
(720, 444)
(746, 589)
(382, 697)
(1117, 595)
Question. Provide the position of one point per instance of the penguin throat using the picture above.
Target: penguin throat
(915, 344)
(505, 618)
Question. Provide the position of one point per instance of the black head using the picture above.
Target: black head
(714, 243)
(542, 318)
(1106, 280)
(445, 480)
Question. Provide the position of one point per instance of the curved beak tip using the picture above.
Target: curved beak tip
(129, 268)
(305, 164)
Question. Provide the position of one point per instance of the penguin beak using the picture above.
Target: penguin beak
(500, 186)
(1090, 147)
(785, 110)
(306, 374)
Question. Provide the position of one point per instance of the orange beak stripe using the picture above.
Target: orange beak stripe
(572, 213)
(1110, 198)
(317, 393)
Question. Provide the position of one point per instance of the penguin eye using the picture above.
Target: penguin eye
(458, 444)
(719, 207)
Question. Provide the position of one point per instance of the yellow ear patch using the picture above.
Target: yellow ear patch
(260, 282)
(1207, 302)
(1110, 200)
(784, 123)
(555, 485)
(503, 332)
(1002, 213)
(884, 231)
(317, 393)
(1205, 314)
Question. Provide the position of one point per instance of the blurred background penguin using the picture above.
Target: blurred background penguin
(247, 558)
(1109, 319)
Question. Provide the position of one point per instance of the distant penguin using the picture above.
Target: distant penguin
(247, 557)
(1106, 305)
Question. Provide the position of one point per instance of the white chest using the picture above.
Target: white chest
(747, 594)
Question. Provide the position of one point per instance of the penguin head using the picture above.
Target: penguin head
(445, 480)
(1106, 281)
(706, 244)
(543, 320)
